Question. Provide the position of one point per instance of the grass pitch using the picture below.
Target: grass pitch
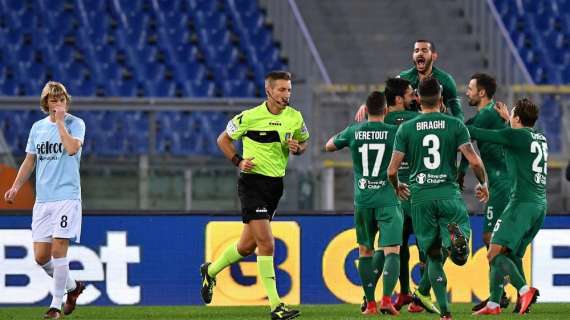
(318, 312)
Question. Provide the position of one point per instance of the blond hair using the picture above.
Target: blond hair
(53, 89)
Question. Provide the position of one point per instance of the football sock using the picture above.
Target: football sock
(378, 264)
(524, 289)
(69, 284)
(438, 282)
(518, 262)
(504, 266)
(366, 272)
(391, 273)
(496, 284)
(60, 274)
(405, 269)
(267, 274)
(230, 255)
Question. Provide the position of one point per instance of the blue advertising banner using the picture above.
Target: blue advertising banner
(154, 260)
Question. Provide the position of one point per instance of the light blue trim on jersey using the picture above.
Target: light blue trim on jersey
(57, 173)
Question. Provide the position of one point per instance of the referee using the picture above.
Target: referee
(269, 133)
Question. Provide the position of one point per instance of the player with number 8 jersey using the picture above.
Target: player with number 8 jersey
(54, 149)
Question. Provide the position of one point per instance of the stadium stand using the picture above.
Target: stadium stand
(540, 31)
(160, 48)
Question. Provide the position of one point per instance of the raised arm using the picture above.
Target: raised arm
(493, 136)
(70, 143)
(451, 100)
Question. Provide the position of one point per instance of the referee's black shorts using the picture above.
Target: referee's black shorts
(259, 196)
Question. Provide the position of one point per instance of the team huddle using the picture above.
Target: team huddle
(406, 179)
(404, 148)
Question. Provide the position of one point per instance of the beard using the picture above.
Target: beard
(472, 102)
(423, 64)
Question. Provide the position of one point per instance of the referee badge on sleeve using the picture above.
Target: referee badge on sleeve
(231, 128)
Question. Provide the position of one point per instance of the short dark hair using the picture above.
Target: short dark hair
(395, 87)
(486, 82)
(277, 75)
(430, 92)
(375, 103)
(431, 44)
(527, 112)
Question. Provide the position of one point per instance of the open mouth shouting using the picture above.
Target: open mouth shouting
(421, 63)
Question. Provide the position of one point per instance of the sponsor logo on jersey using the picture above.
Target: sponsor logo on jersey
(539, 178)
(274, 123)
(49, 151)
(421, 178)
(367, 184)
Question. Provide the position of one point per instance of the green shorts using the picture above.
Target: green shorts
(387, 220)
(430, 219)
(498, 200)
(518, 225)
(406, 208)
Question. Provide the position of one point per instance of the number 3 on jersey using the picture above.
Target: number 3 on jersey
(379, 156)
(431, 141)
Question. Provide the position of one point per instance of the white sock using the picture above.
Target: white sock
(524, 289)
(492, 305)
(48, 268)
(60, 274)
(69, 284)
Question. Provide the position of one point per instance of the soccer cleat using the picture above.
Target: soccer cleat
(363, 304)
(208, 283)
(528, 298)
(446, 316)
(370, 308)
(485, 311)
(504, 303)
(402, 300)
(480, 305)
(425, 302)
(518, 305)
(414, 308)
(53, 313)
(386, 306)
(72, 296)
(459, 245)
(284, 313)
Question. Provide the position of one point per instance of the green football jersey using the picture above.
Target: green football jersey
(492, 154)
(397, 118)
(370, 145)
(450, 98)
(430, 142)
(526, 157)
(264, 136)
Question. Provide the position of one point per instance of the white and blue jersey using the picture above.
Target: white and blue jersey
(57, 173)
